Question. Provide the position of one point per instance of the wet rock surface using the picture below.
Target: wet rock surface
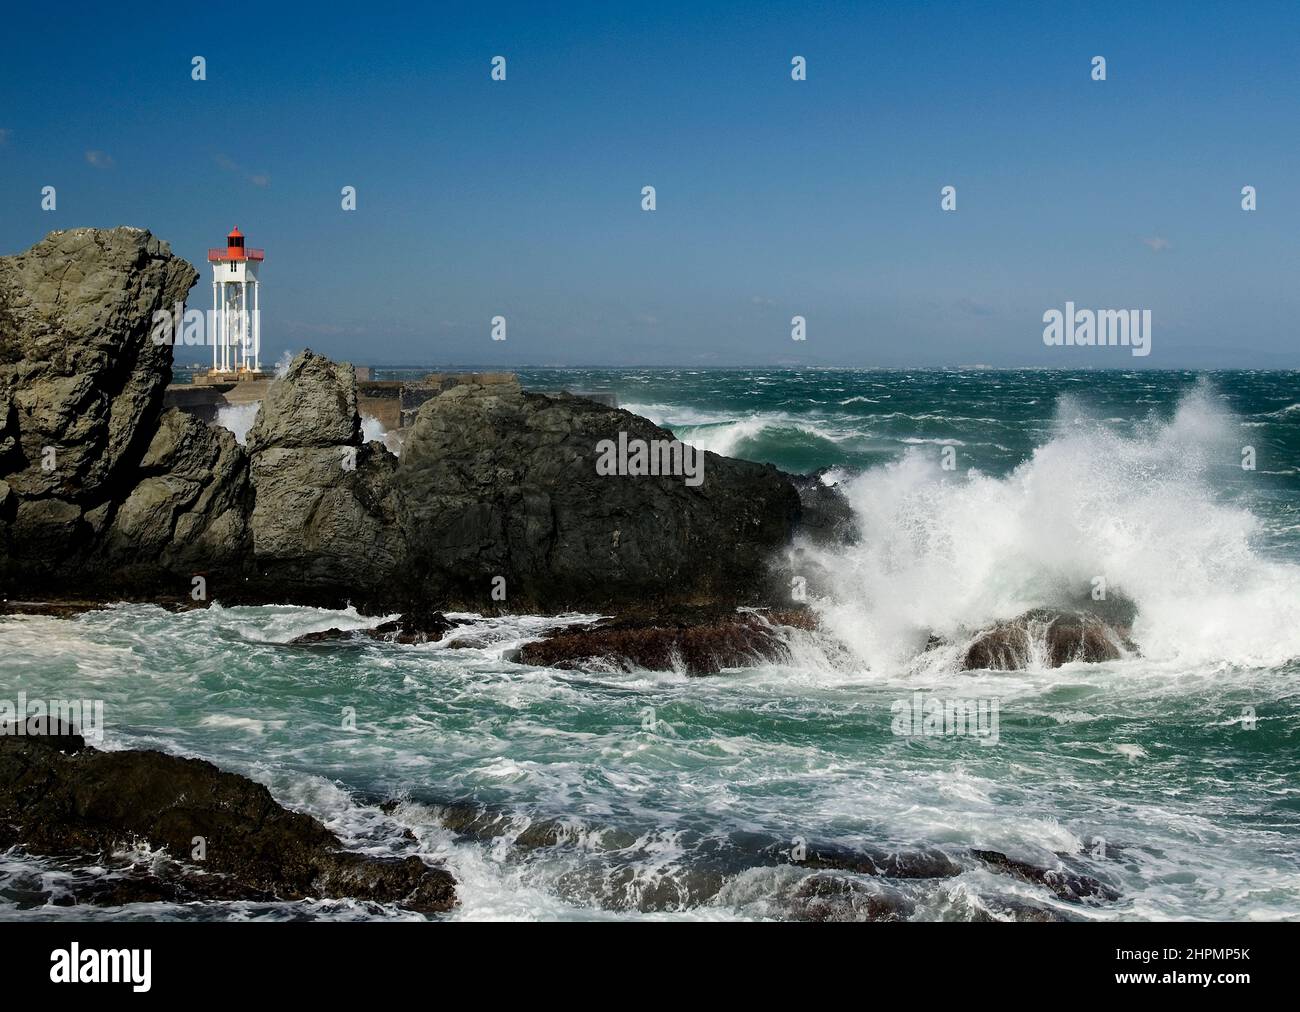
(694, 641)
(826, 516)
(1064, 883)
(1047, 637)
(829, 898)
(410, 628)
(907, 864)
(800, 881)
(59, 796)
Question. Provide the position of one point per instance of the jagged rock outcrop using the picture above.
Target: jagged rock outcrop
(496, 502)
(316, 408)
(59, 796)
(826, 518)
(501, 482)
(81, 382)
(326, 514)
(186, 513)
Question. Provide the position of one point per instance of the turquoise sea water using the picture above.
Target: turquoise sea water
(1172, 775)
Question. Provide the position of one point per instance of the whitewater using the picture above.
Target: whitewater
(1170, 775)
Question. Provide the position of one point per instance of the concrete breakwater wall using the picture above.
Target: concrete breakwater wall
(392, 402)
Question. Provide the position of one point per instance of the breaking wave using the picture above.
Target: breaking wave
(1147, 511)
(239, 418)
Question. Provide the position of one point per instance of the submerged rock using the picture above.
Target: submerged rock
(1066, 884)
(920, 863)
(58, 796)
(815, 881)
(1010, 908)
(832, 898)
(411, 628)
(695, 641)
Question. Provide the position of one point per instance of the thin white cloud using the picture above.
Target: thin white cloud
(1157, 243)
(975, 307)
(259, 179)
(100, 159)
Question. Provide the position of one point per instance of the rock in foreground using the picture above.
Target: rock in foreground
(81, 383)
(60, 797)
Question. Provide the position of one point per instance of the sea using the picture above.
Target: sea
(1170, 775)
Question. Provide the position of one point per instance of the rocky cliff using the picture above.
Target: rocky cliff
(496, 502)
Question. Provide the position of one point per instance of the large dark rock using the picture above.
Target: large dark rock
(59, 797)
(187, 513)
(499, 482)
(825, 514)
(314, 406)
(325, 520)
(81, 383)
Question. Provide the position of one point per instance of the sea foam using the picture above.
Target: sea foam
(1144, 509)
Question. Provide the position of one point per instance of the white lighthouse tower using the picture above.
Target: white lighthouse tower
(236, 310)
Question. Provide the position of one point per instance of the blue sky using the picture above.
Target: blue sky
(775, 198)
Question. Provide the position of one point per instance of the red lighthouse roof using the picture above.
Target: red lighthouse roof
(235, 250)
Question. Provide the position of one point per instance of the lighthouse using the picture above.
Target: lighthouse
(236, 309)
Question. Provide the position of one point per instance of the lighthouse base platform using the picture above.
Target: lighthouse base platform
(213, 376)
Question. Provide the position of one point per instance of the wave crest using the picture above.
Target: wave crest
(946, 553)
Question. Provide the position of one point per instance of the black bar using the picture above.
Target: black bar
(209, 961)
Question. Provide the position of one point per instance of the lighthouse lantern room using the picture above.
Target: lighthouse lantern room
(236, 310)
